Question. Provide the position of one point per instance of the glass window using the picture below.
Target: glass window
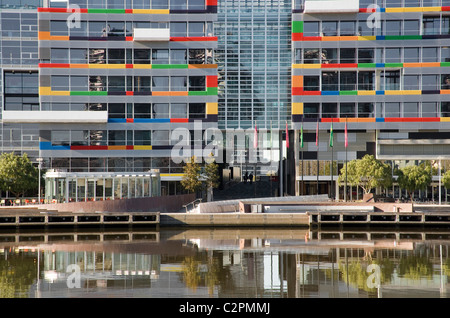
(411, 55)
(116, 84)
(445, 54)
(59, 55)
(393, 27)
(78, 56)
(79, 137)
(366, 80)
(160, 56)
(98, 137)
(197, 110)
(445, 109)
(347, 110)
(56, 27)
(97, 29)
(160, 110)
(116, 4)
(142, 137)
(160, 4)
(391, 80)
(196, 5)
(178, 111)
(330, 81)
(329, 56)
(392, 110)
(160, 83)
(329, 28)
(364, 29)
(97, 4)
(178, 29)
(178, 83)
(142, 110)
(60, 138)
(329, 110)
(411, 82)
(116, 110)
(348, 28)
(311, 110)
(97, 83)
(445, 81)
(97, 56)
(445, 25)
(141, 4)
(178, 56)
(197, 83)
(79, 83)
(430, 82)
(80, 30)
(116, 28)
(311, 83)
(429, 109)
(393, 55)
(348, 55)
(196, 56)
(366, 56)
(310, 28)
(117, 137)
(347, 81)
(411, 27)
(196, 29)
(142, 56)
(60, 83)
(431, 25)
(366, 110)
(411, 110)
(116, 56)
(178, 4)
(142, 84)
(429, 54)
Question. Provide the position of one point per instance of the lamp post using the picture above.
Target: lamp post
(39, 160)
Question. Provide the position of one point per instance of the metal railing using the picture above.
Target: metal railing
(193, 204)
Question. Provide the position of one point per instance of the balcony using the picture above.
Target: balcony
(154, 35)
(331, 6)
(55, 116)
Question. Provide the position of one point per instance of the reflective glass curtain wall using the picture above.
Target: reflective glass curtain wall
(254, 59)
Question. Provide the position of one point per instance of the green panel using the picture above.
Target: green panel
(445, 64)
(106, 10)
(393, 65)
(82, 93)
(168, 66)
(297, 26)
(197, 93)
(348, 93)
(212, 91)
(367, 65)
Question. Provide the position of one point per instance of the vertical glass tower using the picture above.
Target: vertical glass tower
(254, 61)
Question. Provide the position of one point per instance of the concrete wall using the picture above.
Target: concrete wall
(170, 203)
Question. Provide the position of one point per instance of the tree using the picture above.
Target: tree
(368, 173)
(414, 178)
(446, 179)
(211, 176)
(192, 173)
(17, 174)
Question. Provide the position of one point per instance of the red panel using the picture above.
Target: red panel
(179, 120)
(64, 10)
(336, 65)
(312, 93)
(297, 91)
(129, 147)
(312, 38)
(129, 93)
(128, 65)
(211, 2)
(128, 10)
(194, 38)
(89, 147)
(130, 120)
(211, 81)
(446, 8)
(54, 65)
(349, 65)
(129, 38)
(297, 36)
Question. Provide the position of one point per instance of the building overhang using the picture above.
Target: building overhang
(331, 6)
(55, 116)
(153, 35)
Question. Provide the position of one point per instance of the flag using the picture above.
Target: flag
(346, 135)
(255, 138)
(287, 136)
(301, 136)
(331, 135)
(317, 134)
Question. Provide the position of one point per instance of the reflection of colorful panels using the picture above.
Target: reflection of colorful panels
(129, 66)
(300, 118)
(369, 65)
(45, 35)
(299, 91)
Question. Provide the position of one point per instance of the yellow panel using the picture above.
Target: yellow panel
(212, 108)
(107, 66)
(445, 119)
(395, 9)
(171, 174)
(366, 93)
(297, 108)
(60, 93)
(417, 9)
(151, 11)
(142, 147)
(297, 65)
(117, 147)
(367, 38)
(432, 9)
(393, 92)
(45, 90)
(412, 92)
(142, 66)
(312, 66)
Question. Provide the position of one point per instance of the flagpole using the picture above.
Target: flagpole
(317, 144)
(301, 144)
(286, 162)
(331, 166)
(346, 145)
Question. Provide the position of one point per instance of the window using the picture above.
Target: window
(366, 80)
(116, 28)
(116, 56)
(348, 28)
(97, 138)
(393, 55)
(160, 83)
(393, 27)
(97, 56)
(59, 55)
(79, 137)
(429, 109)
(310, 28)
(79, 83)
(196, 29)
(178, 4)
(347, 81)
(411, 110)
(160, 4)
(429, 54)
(311, 110)
(347, 110)
(411, 82)
(411, 27)
(57, 27)
(329, 110)
(196, 4)
(431, 25)
(82, 30)
(430, 82)
(116, 110)
(142, 137)
(97, 29)
(329, 56)
(311, 83)
(117, 137)
(196, 56)
(142, 56)
(142, 84)
(60, 83)
(178, 56)
(445, 109)
(445, 54)
(347, 55)
(178, 29)
(178, 111)
(390, 80)
(365, 110)
(142, 110)
(329, 28)
(330, 81)
(197, 83)
(60, 138)
(197, 110)
(160, 56)
(366, 56)
(411, 55)
(392, 110)
(160, 110)
(78, 56)
(178, 83)
(445, 81)
(364, 30)
(311, 56)
(97, 83)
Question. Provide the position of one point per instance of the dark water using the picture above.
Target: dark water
(224, 263)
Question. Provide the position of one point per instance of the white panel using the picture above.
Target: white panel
(55, 116)
(141, 34)
(331, 6)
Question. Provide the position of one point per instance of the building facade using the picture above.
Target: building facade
(97, 87)
(381, 68)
